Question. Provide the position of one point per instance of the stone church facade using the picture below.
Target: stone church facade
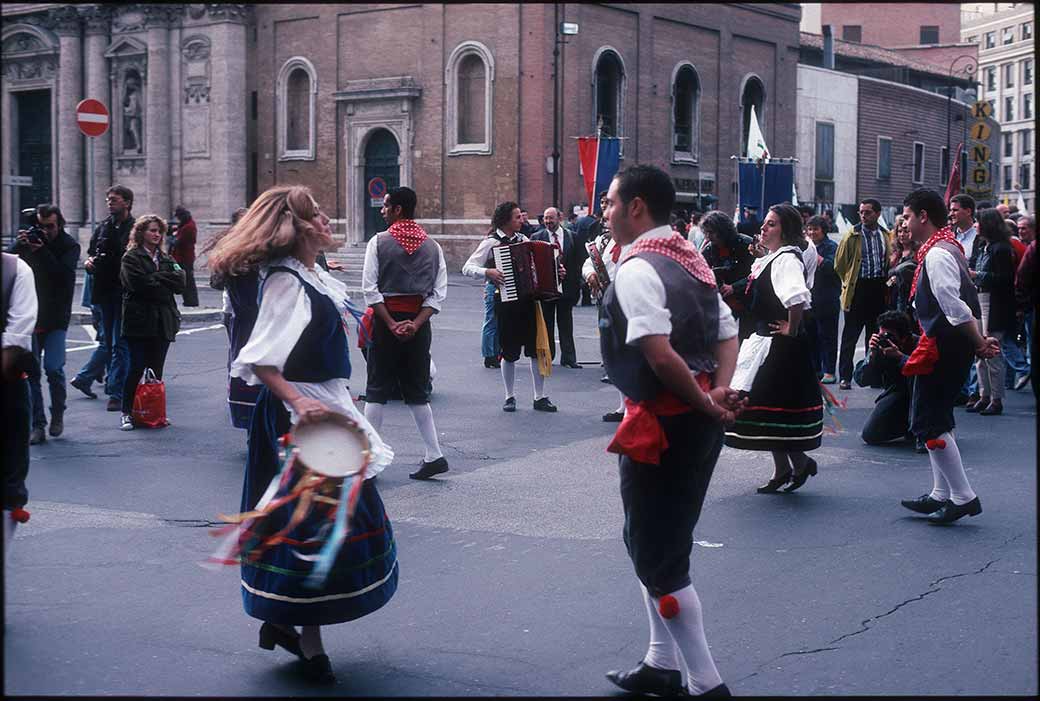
(213, 103)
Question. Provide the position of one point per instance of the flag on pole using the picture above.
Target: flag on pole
(954, 184)
(756, 143)
(1021, 204)
(794, 194)
(600, 157)
(841, 222)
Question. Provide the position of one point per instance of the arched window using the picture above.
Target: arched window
(469, 76)
(752, 95)
(608, 87)
(297, 90)
(686, 98)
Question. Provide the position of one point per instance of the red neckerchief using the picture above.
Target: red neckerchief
(409, 234)
(943, 234)
(678, 249)
(925, 356)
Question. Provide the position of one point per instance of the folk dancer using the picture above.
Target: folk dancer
(670, 344)
(405, 282)
(947, 307)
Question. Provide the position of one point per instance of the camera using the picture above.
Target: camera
(31, 226)
(884, 340)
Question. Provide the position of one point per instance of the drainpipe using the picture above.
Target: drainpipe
(828, 47)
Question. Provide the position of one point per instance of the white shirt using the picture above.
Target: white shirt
(966, 239)
(810, 258)
(370, 278)
(944, 277)
(285, 311)
(587, 268)
(474, 267)
(642, 297)
(21, 309)
(787, 276)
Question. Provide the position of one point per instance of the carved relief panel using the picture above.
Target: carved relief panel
(128, 72)
(27, 57)
(195, 57)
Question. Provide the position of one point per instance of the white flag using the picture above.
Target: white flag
(882, 222)
(794, 194)
(841, 222)
(1021, 204)
(756, 143)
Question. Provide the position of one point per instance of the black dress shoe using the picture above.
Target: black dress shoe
(845, 384)
(492, 363)
(544, 404)
(429, 469)
(572, 366)
(994, 408)
(614, 416)
(919, 446)
(318, 669)
(950, 512)
(799, 479)
(271, 635)
(605, 380)
(719, 692)
(510, 404)
(645, 679)
(773, 485)
(84, 387)
(923, 504)
(974, 407)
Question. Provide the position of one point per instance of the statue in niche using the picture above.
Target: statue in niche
(132, 137)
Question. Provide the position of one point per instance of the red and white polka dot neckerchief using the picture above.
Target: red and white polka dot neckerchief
(409, 234)
(678, 249)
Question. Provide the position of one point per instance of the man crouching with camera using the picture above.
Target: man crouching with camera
(53, 255)
(889, 349)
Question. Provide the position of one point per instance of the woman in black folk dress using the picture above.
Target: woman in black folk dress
(784, 413)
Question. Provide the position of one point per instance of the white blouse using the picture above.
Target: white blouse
(285, 311)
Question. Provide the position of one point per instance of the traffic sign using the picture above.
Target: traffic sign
(376, 188)
(92, 117)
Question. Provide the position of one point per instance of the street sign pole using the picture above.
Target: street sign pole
(90, 181)
(92, 119)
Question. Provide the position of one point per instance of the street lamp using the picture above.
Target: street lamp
(561, 29)
(968, 70)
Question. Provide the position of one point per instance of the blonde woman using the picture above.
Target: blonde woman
(298, 350)
(150, 278)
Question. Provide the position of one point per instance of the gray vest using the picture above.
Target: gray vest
(694, 308)
(930, 314)
(400, 273)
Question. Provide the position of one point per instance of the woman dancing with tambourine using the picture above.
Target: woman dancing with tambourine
(314, 543)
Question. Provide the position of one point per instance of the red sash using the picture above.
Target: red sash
(639, 435)
(922, 361)
(407, 304)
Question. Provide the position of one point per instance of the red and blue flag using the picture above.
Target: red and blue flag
(600, 157)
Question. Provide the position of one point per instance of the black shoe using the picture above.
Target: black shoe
(605, 380)
(318, 669)
(773, 485)
(37, 436)
(919, 446)
(613, 416)
(720, 692)
(923, 504)
(544, 404)
(271, 635)
(114, 404)
(974, 407)
(644, 679)
(510, 404)
(492, 363)
(965, 398)
(799, 479)
(429, 469)
(950, 512)
(57, 423)
(994, 408)
(572, 366)
(84, 387)
(845, 384)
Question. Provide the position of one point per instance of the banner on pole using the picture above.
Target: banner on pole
(599, 157)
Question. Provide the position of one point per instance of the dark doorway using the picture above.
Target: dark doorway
(381, 156)
(33, 110)
(753, 96)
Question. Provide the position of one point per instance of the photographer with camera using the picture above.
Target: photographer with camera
(53, 256)
(182, 236)
(105, 253)
(889, 349)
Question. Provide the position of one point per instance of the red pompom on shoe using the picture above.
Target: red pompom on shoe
(20, 515)
(285, 440)
(935, 444)
(668, 606)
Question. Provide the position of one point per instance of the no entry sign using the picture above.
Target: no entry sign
(92, 117)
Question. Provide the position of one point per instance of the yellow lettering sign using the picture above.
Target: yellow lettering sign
(980, 153)
(980, 131)
(981, 109)
(979, 176)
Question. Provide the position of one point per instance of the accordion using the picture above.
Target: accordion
(529, 271)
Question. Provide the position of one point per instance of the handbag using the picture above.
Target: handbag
(150, 402)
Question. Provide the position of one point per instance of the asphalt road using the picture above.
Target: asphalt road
(514, 578)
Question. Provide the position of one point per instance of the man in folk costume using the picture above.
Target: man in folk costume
(947, 307)
(670, 345)
(405, 282)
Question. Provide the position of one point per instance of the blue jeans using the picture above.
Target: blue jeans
(489, 347)
(112, 356)
(52, 345)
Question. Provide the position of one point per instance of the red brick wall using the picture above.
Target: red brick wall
(895, 24)
(944, 56)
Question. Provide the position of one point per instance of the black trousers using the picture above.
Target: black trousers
(191, 291)
(394, 364)
(663, 502)
(147, 352)
(889, 421)
(868, 303)
(17, 417)
(561, 314)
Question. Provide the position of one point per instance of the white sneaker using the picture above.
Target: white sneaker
(126, 423)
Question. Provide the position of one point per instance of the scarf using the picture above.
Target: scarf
(409, 234)
(922, 361)
(678, 249)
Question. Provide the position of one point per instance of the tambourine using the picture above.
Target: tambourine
(334, 446)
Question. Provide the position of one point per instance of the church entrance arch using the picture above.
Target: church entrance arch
(382, 172)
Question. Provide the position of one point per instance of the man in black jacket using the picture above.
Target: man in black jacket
(562, 310)
(53, 255)
(889, 349)
(105, 253)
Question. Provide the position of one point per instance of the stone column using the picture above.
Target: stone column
(69, 142)
(229, 115)
(157, 145)
(176, 101)
(99, 87)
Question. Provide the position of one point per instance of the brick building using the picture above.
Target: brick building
(461, 108)
(893, 25)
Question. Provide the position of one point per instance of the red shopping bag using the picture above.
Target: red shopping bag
(150, 402)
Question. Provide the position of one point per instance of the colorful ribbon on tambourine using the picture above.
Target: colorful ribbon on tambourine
(244, 539)
(831, 404)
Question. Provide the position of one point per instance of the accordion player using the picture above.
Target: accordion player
(529, 271)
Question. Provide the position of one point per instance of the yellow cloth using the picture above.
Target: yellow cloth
(541, 342)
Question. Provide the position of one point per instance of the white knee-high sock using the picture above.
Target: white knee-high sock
(687, 629)
(374, 414)
(662, 652)
(9, 527)
(948, 461)
(621, 402)
(537, 379)
(423, 415)
(940, 487)
(509, 376)
(310, 641)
